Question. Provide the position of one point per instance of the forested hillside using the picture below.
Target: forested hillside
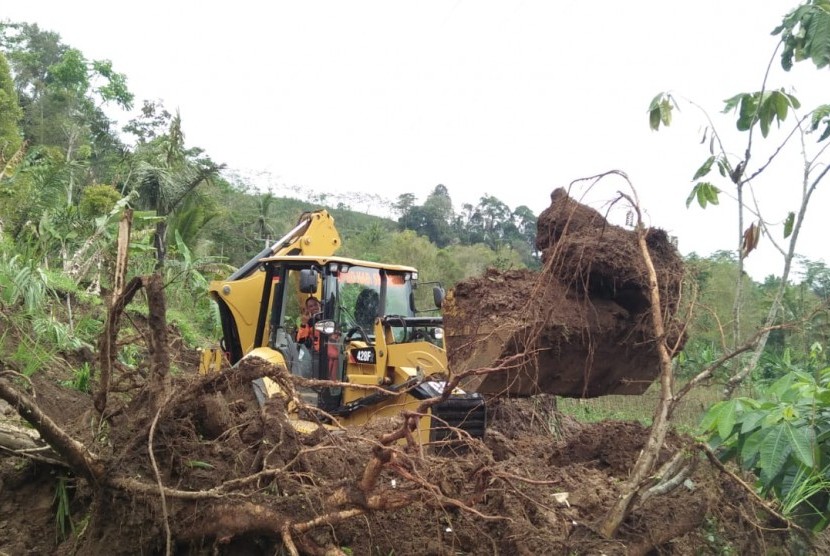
(68, 168)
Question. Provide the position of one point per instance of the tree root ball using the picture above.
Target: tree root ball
(579, 327)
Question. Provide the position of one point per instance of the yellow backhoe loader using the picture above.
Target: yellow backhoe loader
(367, 332)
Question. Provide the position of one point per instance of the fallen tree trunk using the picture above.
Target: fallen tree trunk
(22, 442)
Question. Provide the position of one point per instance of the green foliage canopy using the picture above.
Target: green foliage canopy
(10, 115)
(805, 33)
(98, 200)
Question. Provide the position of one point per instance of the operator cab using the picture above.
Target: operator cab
(358, 300)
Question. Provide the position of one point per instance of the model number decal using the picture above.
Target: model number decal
(364, 355)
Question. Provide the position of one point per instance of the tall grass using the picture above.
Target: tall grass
(686, 417)
(799, 501)
(63, 513)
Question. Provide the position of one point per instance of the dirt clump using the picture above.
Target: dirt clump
(580, 327)
(236, 475)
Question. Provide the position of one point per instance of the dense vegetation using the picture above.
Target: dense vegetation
(66, 167)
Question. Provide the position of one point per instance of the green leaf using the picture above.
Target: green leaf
(821, 115)
(774, 450)
(782, 105)
(731, 104)
(655, 102)
(711, 193)
(794, 102)
(721, 417)
(779, 388)
(747, 115)
(788, 224)
(761, 107)
(818, 114)
(805, 34)
(704, 169)
(707, 424)
(773, 106)
(752, 445)
(701, 196)
(723, 167)
(823, 397)
(751, 420)
(654, 112)
(823, 437)
(790, 413)
(800, 440)
(660, 111)
(196, 464)
(141, 247)
(705, 193)
(665, 112)
(692, 195)
(766, 113)
(817, 35)
(654, 119)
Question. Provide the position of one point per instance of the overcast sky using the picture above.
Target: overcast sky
(511, 99)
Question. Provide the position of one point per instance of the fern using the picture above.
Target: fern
(57, 333)
(23, 283)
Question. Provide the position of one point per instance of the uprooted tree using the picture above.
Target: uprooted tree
(167, 431)
(601, 318)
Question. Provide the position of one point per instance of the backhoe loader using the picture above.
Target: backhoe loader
(368, 333)
(581, 337)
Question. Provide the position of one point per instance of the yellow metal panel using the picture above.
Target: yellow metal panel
(323, 259)
(389, 409)
(371, 380)
(211, 361)
(243, 298)
(423, 355)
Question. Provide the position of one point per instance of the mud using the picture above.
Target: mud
(537, 485)
(580, 327)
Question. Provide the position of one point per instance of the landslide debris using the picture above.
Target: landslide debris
(527, 489)
(581, 326)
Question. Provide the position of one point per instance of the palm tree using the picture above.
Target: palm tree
(264, 229)
(164, 174)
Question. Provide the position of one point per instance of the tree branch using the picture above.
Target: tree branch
(82, 462)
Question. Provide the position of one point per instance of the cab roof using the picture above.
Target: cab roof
(344, 260)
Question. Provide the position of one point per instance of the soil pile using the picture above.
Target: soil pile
(581, 327)
(537, 485)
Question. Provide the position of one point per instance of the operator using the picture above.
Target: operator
(333, 354)
(307, 334)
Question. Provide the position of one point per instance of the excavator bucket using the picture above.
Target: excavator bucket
(579, 327)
